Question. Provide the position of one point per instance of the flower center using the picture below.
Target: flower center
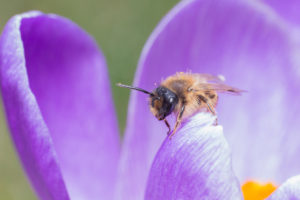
(256, 191)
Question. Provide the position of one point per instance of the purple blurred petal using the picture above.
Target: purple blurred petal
(29, 132)
(256, 51)
(57, 98)
(288, 9)
(289, 190)
(194, 164)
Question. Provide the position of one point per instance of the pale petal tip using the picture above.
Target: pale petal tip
(196, 163)
(290, 190)
(28, 14)
(200, 119)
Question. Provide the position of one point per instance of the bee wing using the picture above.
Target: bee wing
(220, 88)
(209, 78)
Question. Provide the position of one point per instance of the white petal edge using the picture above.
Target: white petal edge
(289, 190)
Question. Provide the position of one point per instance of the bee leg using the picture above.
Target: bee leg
(216, 122)
(168, 125)
(209, 108)
(213, 112)
(178, 121)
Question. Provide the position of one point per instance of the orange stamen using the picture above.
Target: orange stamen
(256, 191)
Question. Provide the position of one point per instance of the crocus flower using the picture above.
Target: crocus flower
(59, 107)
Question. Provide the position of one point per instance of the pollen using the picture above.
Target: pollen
(253, 190)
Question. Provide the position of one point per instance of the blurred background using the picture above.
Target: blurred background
(120, 28)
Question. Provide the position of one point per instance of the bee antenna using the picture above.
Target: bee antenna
(135, 88)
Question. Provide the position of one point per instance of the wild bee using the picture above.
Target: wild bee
(185, 94)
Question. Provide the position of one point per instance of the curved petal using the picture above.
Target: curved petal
(30, 134)
(290, 190)
(256, 51)
(59, 108)
(194, 164)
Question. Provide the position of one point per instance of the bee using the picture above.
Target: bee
(185, 94)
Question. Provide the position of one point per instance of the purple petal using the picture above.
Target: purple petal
(59, 107)
(288, 9)
(256, 51)
(289, 190)
(194, 164)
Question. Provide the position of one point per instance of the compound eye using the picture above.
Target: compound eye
(169, 105)
(172, 100)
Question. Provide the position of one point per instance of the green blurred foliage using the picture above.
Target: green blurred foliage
(121, 29)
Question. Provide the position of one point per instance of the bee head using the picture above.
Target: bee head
(162, 102)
